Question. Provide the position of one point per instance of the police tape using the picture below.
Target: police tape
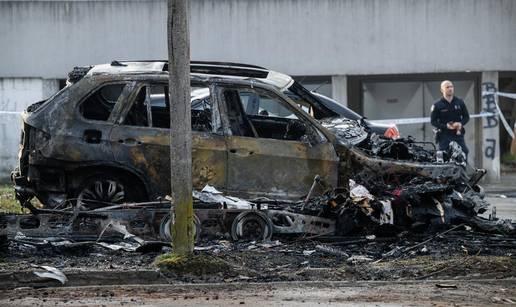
(502, 118)
(508, 95)
(422, 120)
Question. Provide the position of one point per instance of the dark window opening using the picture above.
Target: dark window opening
(256, 113)
(201, 110)
(100, 104)
(160, 106)
(62, 83)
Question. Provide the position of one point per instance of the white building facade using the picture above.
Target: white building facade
(383, 58)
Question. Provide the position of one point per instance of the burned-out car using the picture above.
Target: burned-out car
(105, 138)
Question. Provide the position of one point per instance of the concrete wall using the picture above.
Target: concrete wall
(42, 40)
(300, 37)
(15, 96)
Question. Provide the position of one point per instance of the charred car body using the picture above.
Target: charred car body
(97, 156)
(105, 138)
(387, 130)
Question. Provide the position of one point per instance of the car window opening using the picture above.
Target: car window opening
(98, 106)
(256, 113)
(238, 121)
(158, 100)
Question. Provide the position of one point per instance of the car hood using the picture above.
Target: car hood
(347, 132)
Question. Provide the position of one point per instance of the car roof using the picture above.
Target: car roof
(199, 68)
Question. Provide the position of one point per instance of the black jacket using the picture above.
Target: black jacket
(444, 112)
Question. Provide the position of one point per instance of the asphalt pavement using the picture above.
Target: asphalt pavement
(502, 195)
(320, 293)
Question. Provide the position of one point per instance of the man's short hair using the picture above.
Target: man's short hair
(444, 83)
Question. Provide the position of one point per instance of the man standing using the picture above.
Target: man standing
(449, 115)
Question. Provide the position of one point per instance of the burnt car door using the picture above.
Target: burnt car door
(141, 139)
(273, 149)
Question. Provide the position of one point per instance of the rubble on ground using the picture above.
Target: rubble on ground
(461, 252)
(341, 232)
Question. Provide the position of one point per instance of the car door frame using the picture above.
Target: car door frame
(209, 154)
(250, 175)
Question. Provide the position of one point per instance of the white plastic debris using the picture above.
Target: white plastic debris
(331, 250)
(387, 217)
(52, 273)
(128, 247)
(358, 192)
(209, 247)
(358, 259)
(308, 252)
(210, 194)
(116, 226)
(210, 189)
(270, 244)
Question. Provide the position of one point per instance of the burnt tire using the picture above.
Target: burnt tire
(251, 226)
(102, 190)
(164, 228)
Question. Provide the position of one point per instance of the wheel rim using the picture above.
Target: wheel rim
(252, 230)
(254, 226)
(164, 228)
(102, 192)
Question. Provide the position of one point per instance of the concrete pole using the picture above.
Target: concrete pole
(490, 129)
(513, 143)
(339, 88)
(180, 127)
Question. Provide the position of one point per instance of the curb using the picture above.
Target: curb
(154, 279)
(12, 280)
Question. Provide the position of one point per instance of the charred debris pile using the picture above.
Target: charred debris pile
(399, 199)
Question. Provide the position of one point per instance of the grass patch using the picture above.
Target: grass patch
(508, 159)
(8, 203)
(196, 265)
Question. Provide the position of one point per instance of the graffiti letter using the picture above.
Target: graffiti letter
(491, 121)
(490, 105)
(489, 152)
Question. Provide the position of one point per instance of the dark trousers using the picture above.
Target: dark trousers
(446, 139)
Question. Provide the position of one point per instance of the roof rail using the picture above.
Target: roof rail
(137, 61)
(226, 64)
(229, 69)
(214, 68)
(213, 63)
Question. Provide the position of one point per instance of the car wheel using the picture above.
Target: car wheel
(105, 190)
(164, 228)
(251, 226)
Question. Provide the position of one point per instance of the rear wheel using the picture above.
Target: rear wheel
(103, 190)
